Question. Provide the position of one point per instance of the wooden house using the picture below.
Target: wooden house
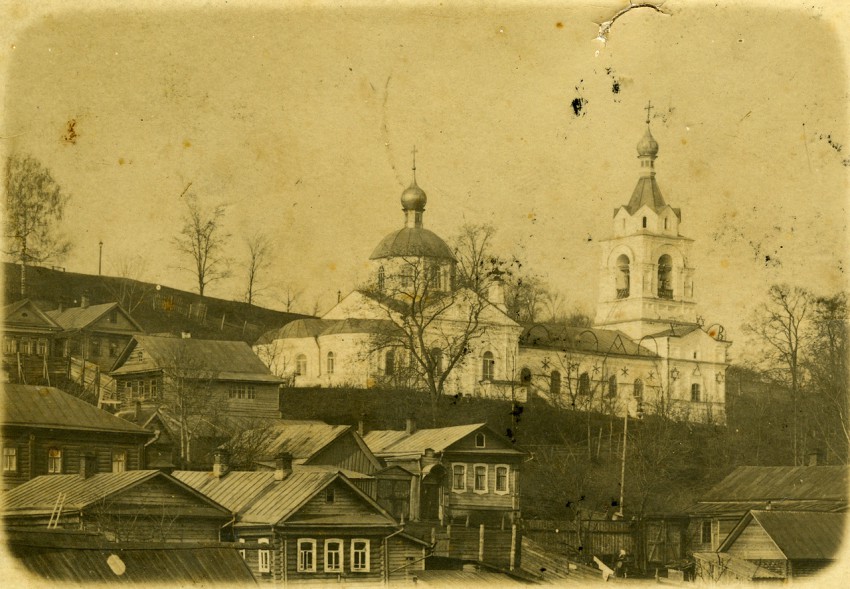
(779, 488)
(28, 343)
(45, 432)
(781, 545)
(468, 473)
(223, 377)
(138, 505)
(309, 524)
(94, 333)
(85, 558)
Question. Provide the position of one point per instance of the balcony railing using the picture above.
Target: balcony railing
(622, 293)
(665, 293)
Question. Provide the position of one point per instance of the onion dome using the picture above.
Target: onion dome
(413, 198)
(647, 146)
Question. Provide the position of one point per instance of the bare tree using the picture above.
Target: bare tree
(127, 285)
(475, 259)
(203, 240)
(780, 324)
(34, 206)
(290, 295)
(259, 248)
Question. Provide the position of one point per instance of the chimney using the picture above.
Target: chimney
(87, 465)
(84, 301)
(410, 425)
(283, 466)
(137, 410)
(221, 462)
(61, 304)
(361, 425)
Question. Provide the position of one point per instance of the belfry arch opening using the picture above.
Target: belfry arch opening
(622, 277)
(665, 277)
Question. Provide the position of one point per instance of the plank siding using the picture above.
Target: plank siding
(405, 558)
(754, 544)
(345, 502)
(344, 452)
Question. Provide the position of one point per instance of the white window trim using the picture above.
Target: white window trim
(507, 479)
(13, 458)
(242, 551)
(455, 489)
(341, 555)
(483, 440)
(486, 479)
(264, 557)
(300, 568)
(368, 555)
(123, 462)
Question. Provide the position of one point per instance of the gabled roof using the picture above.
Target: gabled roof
(395, 442)
(799, 535)
(235, 491)
(767, 483)
(39, 495)
(301, 440)
(646, 193)
(581, 339)
(48, 407)
(225, 360)
(742, 569)
(82, 317)
(26, 306)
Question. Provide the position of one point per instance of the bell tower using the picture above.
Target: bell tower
(646, 280)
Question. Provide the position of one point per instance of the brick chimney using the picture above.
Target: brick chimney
(283, 466)
(410, 425)
(221, 462)
(87, 465)
(84, 301)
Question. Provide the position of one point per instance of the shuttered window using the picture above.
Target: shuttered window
(264, 557)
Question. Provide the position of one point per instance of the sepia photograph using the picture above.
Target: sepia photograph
(410, 293)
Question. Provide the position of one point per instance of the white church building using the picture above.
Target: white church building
(648, 351)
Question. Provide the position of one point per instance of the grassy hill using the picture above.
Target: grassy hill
(157, 308)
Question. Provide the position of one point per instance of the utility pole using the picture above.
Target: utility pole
(100, 258)
(623, 467)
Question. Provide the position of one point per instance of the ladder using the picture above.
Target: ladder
(57, 511)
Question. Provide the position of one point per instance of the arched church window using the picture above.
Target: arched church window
(389, 363)
(696, 393)
(434, 277)
(488, 366)
(623, 277)
(644, 222)
(555, 383)
(331, 359)
(584, 384)
(382, 277)
(525, 376)
(665, 222)
(637, 391)
(665, 277)
(300, 365)
(407, 277)
(612, 386)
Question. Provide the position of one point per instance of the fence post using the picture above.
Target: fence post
(513, 547)
(481, 543)
(449, 540)
(223, 315)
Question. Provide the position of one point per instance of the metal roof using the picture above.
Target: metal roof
(777, 483)
(400, 442)
(13, 308)
(39, 494)
(739, 508)
(742, 569)
(48, 407)
(283, 498)
(302, 440)
(676, 331)
(581, 339)
(228, 360)
(800, 535)
(413, 242)
(82, 317)
(647, 193)
(175, 564)
(235, 491)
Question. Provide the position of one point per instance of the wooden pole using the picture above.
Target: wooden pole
(481, 543)
(623, 467)
(513, 547)
(599, 444)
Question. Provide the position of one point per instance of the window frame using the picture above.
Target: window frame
(119, 457)
(488, 366)
(696, 392)
(242, 551)
(264, 557)
(455, 488)
(340, 558)
(241, 391)
(480, 436)
(331, 360)
(299, 565)
(486, 488)
(613, 386)
(705, 526)
(389, 362)
(55, 463)
(507, 489)
(10, 459)
(354, 552)
(301, 365)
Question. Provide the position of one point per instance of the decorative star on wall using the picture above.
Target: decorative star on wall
(545, 363)
(596, 369)
(573, 366)
(651, 375)
(625, 371)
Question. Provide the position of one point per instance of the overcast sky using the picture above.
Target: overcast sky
(302, 122)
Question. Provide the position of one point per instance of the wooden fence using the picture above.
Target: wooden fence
(493, 546)
(99, 385)
(547, 565)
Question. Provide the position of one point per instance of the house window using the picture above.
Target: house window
(665, 222)
(10, 345)
(695, 392)
(119, 461)
(42, 347)
(480, 478)
(300, 365)
(359, 556)
(333, 556)
(10, 459)
(264, 557)
(330, 363)
(54, 461)
(459, 477)
(502, 484)
(306, 555)
(480, 440)
(705, 532)
(525, 377)
(140, 355)
(584, 384)
(637, 391)
(113, 349)
(389, 363)
(26, 346)
(154, 389)
(242, 552)
(241, 390)
(94, 347)
(612, 386)
(555, 383)
(113, 316)
(329, 495)
(488, 367)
